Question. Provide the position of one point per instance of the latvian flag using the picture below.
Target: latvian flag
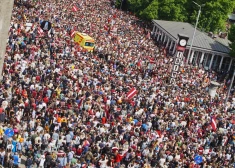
(148, 35)
(159, 133)
(72, 33)
(106, 27)
(40, 31)
(131, 93)
(213, 123)
(75, 8)
(225, 141)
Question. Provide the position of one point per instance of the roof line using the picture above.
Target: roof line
(210, 44)
(165, 30)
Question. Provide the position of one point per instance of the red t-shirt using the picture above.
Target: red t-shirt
(34, 94)
(79, 151)
(118, 158)
(45, 99)
(103, 120)
(38, 78)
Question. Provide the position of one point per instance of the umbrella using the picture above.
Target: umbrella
(9, 132)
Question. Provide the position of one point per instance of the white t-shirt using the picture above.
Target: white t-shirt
(2, 153)
(103, 163)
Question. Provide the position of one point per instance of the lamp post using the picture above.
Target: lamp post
(121, 5)
(229, 90)
(191, 45)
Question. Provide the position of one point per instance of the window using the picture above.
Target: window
(88, 44)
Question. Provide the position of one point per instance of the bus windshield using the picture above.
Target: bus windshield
(89, 44)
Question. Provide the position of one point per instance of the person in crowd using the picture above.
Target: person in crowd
(70, 106)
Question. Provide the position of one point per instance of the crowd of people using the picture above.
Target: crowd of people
(69, 107)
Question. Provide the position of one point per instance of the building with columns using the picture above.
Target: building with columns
(206, 51)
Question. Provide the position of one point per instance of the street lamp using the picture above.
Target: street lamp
(121, 5)
(191, 45)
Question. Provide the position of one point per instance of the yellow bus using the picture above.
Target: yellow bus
(84, 41)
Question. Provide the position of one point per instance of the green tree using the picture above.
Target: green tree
(231, 37)
(173, 10)
(151, 11)
(214, 14)
(137, 6)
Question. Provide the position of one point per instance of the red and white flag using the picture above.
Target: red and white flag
(40, 31)
(131, 93)
(148, 35)
(159, 133)
(72, 34)
(81, 101)
(84, 165)
(225, 140)
(106, 27)
(213, 123)
(75, 8)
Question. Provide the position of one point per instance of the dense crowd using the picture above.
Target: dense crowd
(68, 107)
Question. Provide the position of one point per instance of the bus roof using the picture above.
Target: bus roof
(85, 36)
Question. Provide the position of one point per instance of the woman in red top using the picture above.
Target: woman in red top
(79, 150)
(118, 158)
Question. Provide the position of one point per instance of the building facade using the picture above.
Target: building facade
(210, 53)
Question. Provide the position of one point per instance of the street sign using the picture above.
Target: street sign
(45, 26)
(9, 132)
(198, 159)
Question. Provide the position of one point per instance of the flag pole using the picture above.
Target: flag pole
(121, 5)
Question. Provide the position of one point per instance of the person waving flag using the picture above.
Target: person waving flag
(74, 8)
(213, 123)
(131, 93)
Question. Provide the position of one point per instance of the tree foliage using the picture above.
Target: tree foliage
(231, 37)
(172, 10)
(150, 12)
(213, 15)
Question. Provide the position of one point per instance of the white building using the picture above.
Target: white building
(206, 51)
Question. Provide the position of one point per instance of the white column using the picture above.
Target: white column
(229, 67)
(154, 29)
(156, 32)
(163, 34)
(221, 62)
(158, 36)
(168, 40)
(212, 58)
(207, 55)
(174, 47)
(5, 17)
(196, 58)
(171, 45)
(202, 57)
(164, 38)
(216, 60)
(191, 56)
